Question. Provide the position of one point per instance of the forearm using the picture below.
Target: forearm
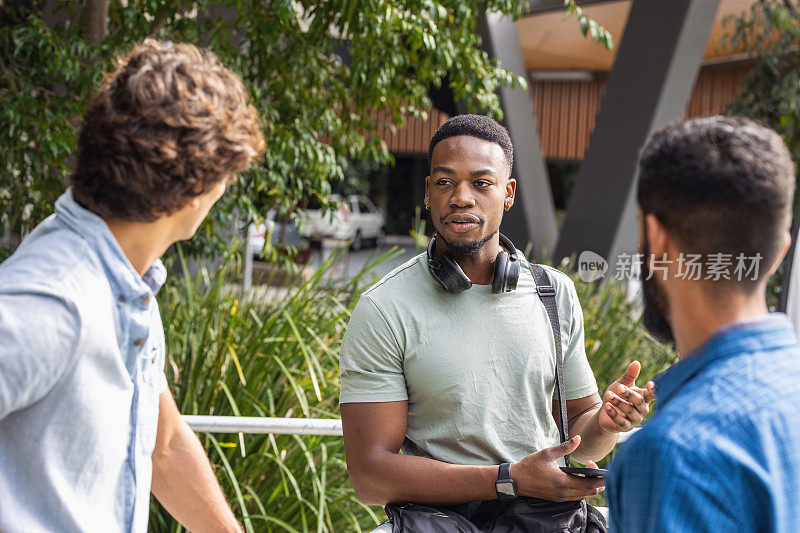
(389, 477)
(184, 483)
(596, 442)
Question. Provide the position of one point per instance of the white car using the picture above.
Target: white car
(355, 219)
(282, 232)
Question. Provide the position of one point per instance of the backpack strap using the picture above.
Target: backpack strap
(547, 293)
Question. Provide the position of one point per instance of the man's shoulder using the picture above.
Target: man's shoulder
(677, 435)
(657, 455)
(736, 397)
(656, 438)
(557, 277)
(403, 280)
(661, 479)
(52, 260)
(561, 282)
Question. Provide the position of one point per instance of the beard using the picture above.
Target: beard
(654, 317)
(466, 248)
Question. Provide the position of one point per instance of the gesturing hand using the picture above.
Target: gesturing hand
(539, 476)
(625, 404)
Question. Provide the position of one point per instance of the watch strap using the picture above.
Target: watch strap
(505, 487)
(504, 472)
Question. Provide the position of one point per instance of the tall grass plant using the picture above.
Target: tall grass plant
(613, 334)
(272, 352)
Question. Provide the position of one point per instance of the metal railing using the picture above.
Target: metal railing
(254, 424)
(281, 426)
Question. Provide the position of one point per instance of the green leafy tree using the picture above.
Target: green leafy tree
(326, 76)
(769, 33)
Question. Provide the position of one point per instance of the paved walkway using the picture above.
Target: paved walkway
(354, 262)
(350, 265)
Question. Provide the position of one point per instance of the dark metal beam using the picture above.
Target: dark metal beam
(532, 219)
(648, 87)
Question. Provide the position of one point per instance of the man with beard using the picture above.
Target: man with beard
(722, 453)
(462, 379)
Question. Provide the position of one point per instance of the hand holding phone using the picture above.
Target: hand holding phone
(585, 472)
(539, 475)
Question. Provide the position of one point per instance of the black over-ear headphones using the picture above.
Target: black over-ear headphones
(446, 271)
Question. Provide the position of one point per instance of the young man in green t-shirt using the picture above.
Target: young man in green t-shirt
(463, 382)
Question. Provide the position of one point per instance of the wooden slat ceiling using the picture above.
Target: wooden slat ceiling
(550, 41)
(415, 136)
(565, 111)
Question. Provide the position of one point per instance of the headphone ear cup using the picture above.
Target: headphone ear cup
(451, 276)
(513, 274)
(500, 279)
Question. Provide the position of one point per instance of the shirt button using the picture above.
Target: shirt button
(138, 342)
(121, 299)
(145, 301)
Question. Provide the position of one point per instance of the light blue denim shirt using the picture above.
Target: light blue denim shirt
(81, 370)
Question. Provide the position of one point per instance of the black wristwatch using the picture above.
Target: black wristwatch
(505, 486)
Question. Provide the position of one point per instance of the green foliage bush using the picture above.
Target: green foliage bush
(769, 32)
(275, 354)
(614, 336)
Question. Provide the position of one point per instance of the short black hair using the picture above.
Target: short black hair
(719, 185)
(479, 126)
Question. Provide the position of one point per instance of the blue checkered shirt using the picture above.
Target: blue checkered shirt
(722, 453)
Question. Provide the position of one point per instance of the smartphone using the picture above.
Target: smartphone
(585, 472)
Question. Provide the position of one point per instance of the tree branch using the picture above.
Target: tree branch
(95, 19)
(161, 21)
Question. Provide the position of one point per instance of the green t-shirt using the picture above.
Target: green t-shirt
(477, 369)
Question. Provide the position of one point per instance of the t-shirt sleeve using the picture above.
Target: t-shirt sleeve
(39, 333)
(579, 380)
(370, 360)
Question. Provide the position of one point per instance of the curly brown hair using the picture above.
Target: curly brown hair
(168, 124)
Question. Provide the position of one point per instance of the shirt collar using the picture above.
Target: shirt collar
(771, 331)
(126, 283)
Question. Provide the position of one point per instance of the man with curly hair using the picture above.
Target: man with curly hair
(87, 424)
